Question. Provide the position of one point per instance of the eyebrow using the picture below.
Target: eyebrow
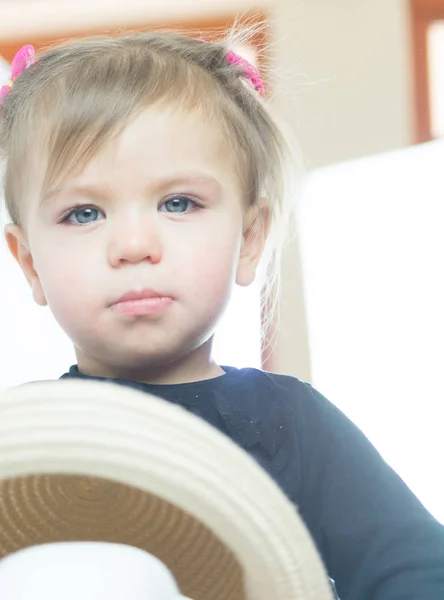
(160, 185)
(74, 189)
(189, 179)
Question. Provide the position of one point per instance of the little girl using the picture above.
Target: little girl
(145, 178)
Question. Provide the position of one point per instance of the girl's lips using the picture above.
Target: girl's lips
(139, 295)
(142, 306)
(139, 303)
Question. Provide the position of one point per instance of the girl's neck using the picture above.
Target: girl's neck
(197, 366)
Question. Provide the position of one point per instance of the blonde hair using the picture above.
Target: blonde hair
(78, 95)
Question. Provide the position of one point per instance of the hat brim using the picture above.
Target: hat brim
(87, 460)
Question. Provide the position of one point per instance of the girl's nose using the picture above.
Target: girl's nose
(135, 240)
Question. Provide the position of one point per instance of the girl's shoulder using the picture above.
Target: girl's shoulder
(286, 409)
(283, 408)
(283, 392)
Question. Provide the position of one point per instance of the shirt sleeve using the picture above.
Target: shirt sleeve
(377, 540)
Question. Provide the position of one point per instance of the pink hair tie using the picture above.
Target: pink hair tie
(24, 58)
(248, 69)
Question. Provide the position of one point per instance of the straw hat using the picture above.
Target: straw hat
(93, 461)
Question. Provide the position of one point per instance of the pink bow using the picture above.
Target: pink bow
(21, 61)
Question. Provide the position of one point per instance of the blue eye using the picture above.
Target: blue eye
(178, 204)
(82, 216)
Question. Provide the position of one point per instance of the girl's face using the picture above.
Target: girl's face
(158, 214)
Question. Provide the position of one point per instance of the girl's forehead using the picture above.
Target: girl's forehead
(181, 132)
(160, 141)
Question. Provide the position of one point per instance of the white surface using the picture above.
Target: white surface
(85, 571)
(373, 247)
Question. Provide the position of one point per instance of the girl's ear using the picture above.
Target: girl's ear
(256, 228)
(19, 248)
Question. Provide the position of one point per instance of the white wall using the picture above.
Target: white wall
(346, 89)
(346, 81)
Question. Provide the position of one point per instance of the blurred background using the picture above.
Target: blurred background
(361, 85)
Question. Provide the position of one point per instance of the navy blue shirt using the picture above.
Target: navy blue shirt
(377, 540)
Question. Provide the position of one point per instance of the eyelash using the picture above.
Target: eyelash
(64, 219)
(74, 208)
(194, 203)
